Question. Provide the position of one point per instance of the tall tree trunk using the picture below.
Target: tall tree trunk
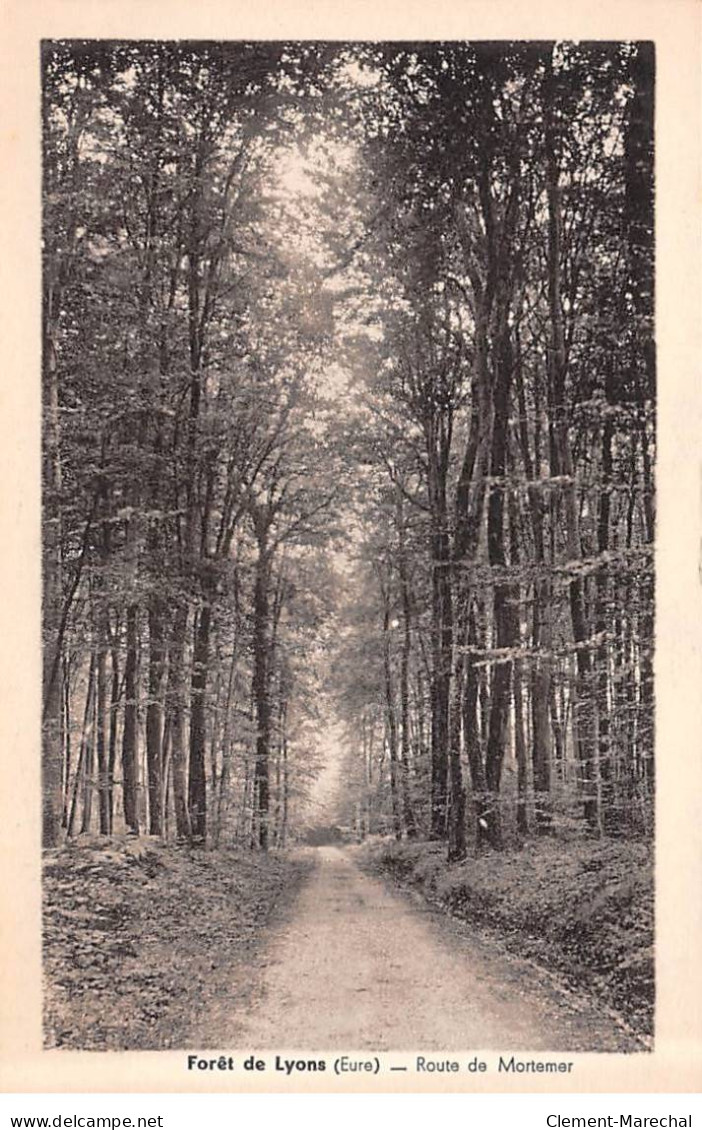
(541, 695)
(586, 706)
(609, 815)
(261, 692)
(154, 716)
(471, 492)
(130, 760)
(197, 769)
(542, 667)
(639, 215)
(405, 655)
(520, 748)
(442, 615)
(557, 729)
(471, 734)
(103, 779)
(517, 675)
(52, 596)
(89, 750)
(457, 847)
(391, 720)
(286, 783)
(177, 697)
(243, 818)
(225, 774)
(116, 691)
(366, 738)
(85, 739)
(505, 619)
(67, 739)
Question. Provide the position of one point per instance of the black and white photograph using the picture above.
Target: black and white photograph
(348, 530)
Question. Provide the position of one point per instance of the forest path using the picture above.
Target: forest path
(356, 966)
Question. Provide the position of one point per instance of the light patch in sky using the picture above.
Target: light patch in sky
(304, 179)
(294, 174)
(298, 169)
(360, 76)
(324, 800)
(333, 379)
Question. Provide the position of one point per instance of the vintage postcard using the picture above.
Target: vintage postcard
(351, 497)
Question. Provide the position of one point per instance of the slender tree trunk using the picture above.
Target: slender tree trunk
(243, 819)
(197, 770)
(457, 847)
(557, 729)
(166, 791)
(471, 735)
(542, 667)
(115, 694)
(261, 693)
(520, 749)
(130, 760)
(67, 739)
(89, 750)
(542, 693)
(586, 706)
(224, 777)
(517, 676)
(286, 784)
(103, 779)
(441, 673)
(52, 597)
(85, 739)
(154, 716)
(368, 773)
(177, 697)
(405, 742)
(505, 619)
(609, 814)
(278, 805)
(391, 721)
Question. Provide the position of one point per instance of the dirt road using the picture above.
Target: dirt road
(356, 966)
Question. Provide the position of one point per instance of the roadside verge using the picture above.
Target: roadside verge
(586, 912)
(147, 946)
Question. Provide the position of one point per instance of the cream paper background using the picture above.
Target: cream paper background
(674, 25)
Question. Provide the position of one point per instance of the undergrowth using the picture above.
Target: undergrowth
(147, 946)
(587, 912)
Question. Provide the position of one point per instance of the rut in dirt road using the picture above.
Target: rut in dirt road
(357, 967)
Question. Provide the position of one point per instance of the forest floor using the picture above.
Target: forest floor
(586, 914)
(148, 947)
(153, 947)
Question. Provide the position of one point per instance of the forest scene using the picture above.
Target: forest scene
(348, 526)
